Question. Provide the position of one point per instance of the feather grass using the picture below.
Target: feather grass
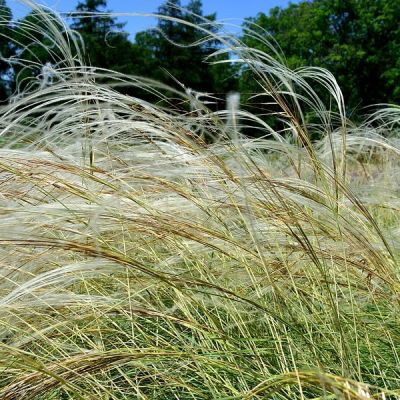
(140, 261)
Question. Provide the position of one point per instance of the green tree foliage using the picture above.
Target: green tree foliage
(176, 50)
(106, 44)
(6, 50)
(35, 46)
(357, 40)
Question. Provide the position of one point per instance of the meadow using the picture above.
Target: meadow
(153, 250)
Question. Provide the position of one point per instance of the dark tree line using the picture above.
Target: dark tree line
(357, 40)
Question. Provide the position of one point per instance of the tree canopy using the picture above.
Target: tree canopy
(357, 40)
(106, 44)
(6, 50)
(35, 45)
(170, 48)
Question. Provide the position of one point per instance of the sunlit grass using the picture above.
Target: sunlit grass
(141, 259)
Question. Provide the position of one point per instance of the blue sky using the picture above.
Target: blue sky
(232, 10)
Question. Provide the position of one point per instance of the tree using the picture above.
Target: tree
(106, 44)
(357, 40)
(35, 45)
(6, 50)
(174, 50)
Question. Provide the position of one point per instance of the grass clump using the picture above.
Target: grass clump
(141, 259)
